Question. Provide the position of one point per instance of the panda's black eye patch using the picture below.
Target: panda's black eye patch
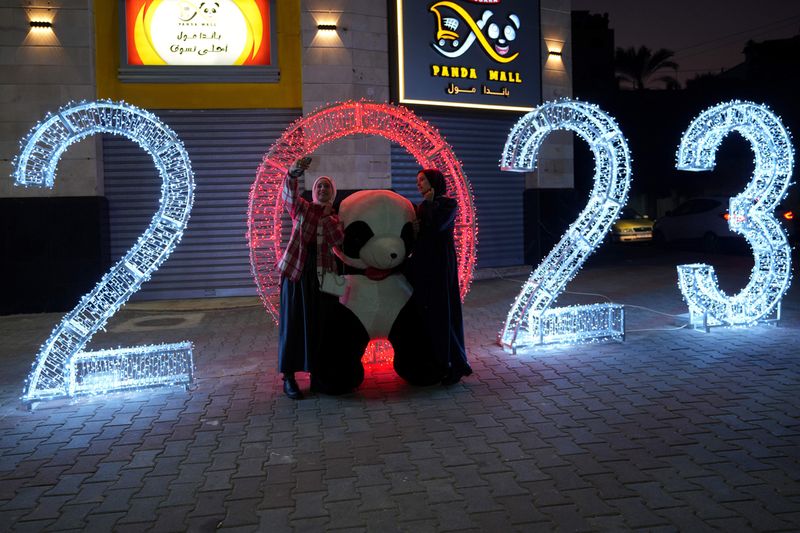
(407, 234)
(356, 235)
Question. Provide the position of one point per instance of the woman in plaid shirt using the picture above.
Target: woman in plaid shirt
(316, 229)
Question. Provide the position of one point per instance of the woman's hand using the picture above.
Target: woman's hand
(300, 166)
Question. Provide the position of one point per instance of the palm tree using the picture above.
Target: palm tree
(638, 66)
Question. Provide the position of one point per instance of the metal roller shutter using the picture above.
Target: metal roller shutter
(225, 147)
(477, 142)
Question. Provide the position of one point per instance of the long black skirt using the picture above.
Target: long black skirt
(300, 319)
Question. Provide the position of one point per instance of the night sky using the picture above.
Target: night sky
(706, 35)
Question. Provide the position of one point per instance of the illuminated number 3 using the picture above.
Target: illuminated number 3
(531, 320)
(61, 369)
(751, 215)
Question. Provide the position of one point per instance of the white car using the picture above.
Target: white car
(706, 219)
(703, 219)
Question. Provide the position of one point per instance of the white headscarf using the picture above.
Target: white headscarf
(314, 189)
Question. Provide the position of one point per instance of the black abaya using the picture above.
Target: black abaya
(433, 272)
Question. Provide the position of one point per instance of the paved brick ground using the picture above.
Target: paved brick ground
(672, 430)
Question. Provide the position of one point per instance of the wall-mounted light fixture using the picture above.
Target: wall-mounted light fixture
(554, 47)
(555, 54)
(326, 27)
(41, 24)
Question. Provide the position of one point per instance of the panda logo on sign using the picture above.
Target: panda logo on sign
(374, 298)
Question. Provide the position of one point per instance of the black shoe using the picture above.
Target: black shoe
(291, 389)
(453, 376)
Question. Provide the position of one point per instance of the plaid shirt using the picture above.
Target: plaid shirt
(307, 222)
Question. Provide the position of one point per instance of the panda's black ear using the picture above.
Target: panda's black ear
(356, 235)
(407, 235)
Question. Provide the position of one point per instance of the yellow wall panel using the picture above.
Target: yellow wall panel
(285, 94)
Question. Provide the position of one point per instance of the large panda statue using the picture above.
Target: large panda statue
(374, 298)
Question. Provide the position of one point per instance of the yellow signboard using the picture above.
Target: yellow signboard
(198, 33)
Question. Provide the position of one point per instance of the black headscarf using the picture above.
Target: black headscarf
(436, 179)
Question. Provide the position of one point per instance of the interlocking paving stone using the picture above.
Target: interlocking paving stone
(277, 496)
(672, 430)
(241, 513)
(33, 525)
(245, 488)
(309, 505)
(103, 521)
(344, 515)
(209, 503)
(341, 489)
(275, 520)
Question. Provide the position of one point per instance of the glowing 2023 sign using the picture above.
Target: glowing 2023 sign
(61, 369)
(532, 320)
(751, 215)
(394, 123)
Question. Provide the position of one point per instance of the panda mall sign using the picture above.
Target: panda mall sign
(481, 54)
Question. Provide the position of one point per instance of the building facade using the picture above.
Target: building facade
(320, 52)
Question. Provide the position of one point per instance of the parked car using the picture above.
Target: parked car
(632, 226)
(706, 220)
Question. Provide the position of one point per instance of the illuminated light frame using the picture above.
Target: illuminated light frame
(395, 123)
(532, 321)
(751, 215)
(60, 368)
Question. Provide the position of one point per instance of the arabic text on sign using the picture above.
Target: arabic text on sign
(455, 89)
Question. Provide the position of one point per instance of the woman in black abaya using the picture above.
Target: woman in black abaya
(433, 272)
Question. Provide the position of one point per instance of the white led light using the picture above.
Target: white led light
(532, 320)
(61, 368)
(751, 215)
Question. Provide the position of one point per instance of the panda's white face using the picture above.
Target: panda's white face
(378, 230)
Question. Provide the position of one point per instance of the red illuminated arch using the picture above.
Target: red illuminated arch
(394, 123)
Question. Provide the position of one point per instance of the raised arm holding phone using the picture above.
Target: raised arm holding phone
(316, 229)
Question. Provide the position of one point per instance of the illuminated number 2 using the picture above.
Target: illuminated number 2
(751, 215)
(61, 369)
(531, 319)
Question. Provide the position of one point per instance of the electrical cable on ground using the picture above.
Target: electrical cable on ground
(606, 298)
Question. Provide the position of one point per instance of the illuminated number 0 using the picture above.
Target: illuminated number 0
(751, 215)
(531, 320)
(394, 123)
(61, 369)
